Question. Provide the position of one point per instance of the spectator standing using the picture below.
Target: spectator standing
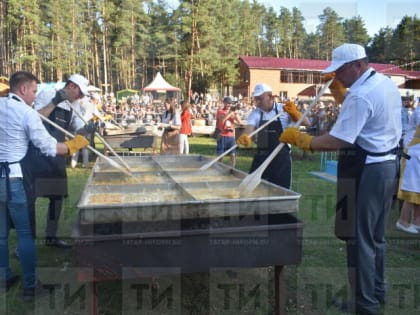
(406, 111)
(171, 123)
(89, 112)
(186, 130)
(225, 121)
(409, 192)
(19, 125)
(366, 133)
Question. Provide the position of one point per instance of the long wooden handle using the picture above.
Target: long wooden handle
(251, 181)
(110, 161)
(207, 165)
(100, 138)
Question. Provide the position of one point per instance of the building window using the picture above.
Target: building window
(283, 95)
(300, 76)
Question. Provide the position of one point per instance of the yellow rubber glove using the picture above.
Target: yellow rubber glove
(338, 90)
(4, 86)
(291, 109)
(416, 138)
(77, 143)
(293, 136)
(244, 140)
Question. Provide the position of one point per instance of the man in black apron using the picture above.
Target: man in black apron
(49, 177)
(20, 124)
(280, 169)
(366, 133)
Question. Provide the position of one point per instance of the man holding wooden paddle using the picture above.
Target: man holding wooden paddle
(366, 133)
(50, 175)
(19, 125)
(280, 169)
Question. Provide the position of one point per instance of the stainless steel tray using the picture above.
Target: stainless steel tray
(172, 187)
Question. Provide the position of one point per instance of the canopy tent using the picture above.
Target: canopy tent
(125, 93)
(160, 85)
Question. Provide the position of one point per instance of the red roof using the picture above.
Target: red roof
(254, 62)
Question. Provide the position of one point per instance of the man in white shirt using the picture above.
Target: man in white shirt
(19, 125)
(366, 133)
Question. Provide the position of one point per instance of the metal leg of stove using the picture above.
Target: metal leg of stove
(280, 290)
(93, 302)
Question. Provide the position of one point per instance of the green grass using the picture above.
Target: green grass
(310, 286)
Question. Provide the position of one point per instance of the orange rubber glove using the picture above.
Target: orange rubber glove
(244, 140)
(77, 143)
(293, 136)
(291, 109)
(416, 138)
(338, 90)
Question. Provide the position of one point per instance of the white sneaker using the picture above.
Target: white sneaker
(408, 229)
(417, 227)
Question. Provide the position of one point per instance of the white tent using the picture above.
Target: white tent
(160, 85)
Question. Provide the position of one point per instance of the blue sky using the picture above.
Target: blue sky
(375, 13)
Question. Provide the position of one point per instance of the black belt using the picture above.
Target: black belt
(397, 151)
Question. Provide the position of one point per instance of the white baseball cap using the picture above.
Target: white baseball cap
(344, 54)
(81, 82)
(261, 88)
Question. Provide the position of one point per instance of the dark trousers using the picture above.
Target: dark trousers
(366, 253)
(54, 210)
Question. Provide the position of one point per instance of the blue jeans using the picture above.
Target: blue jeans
(224, 144)
(16, 211)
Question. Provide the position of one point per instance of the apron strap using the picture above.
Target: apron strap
(4, 167)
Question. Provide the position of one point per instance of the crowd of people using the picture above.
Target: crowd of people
(133, 110)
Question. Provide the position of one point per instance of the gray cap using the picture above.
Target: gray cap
(228, 100)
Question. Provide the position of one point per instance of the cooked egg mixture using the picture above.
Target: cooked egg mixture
(135, 179)
(139, 197)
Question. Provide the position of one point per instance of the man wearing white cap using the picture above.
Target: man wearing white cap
(49, 177)
(366, 133)
(280, 169)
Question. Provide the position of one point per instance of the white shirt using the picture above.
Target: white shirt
(371, 116)
(19, 124)
(88, 109)
(413, 122)
(44, 98)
